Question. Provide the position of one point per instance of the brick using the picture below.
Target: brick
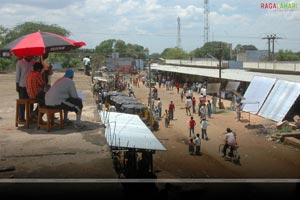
(292, 141)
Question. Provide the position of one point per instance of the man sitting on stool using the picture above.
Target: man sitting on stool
(63, 95)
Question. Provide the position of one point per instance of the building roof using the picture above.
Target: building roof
(230, 74)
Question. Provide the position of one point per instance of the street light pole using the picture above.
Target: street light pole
(150, 116)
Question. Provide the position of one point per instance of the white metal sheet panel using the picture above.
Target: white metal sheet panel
(257, 93)
(128, 131)
(280, 100)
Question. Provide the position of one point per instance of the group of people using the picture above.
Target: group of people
(205, 110)
(33, 80)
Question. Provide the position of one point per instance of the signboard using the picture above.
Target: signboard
(213, 88)
(232, 85)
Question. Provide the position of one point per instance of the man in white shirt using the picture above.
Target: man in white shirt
(188, 105)
(87, 61)
(23, 67)
(229, 142)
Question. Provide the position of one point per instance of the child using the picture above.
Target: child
(198, 144)
(191, 147)
(167, 118)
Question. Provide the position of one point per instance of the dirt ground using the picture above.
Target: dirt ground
(72, 154)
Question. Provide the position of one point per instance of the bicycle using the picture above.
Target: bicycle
(234, 157)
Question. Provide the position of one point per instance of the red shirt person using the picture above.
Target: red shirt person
(34, 81)
(171, 109)
(192, 124)
(35, 86)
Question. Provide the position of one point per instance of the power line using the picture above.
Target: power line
(272, 37)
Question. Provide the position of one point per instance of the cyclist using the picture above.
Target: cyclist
(230, 141)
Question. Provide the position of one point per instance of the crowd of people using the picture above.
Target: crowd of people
(203, 107)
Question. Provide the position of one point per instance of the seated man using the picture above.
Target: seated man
(35, 86)
(63, 95)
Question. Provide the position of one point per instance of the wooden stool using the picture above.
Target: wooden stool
(50, 118)
(27, 103)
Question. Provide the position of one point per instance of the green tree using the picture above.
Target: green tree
(31, 27)
(213, 49)
(287, 55)
(125, 50)
(3, 33)
(174, 53)
(243, 48)
(105, 47)
(8, 35)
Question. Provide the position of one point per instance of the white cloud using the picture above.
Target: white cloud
(225, 7)
(153, 22)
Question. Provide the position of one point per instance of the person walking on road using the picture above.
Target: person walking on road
(191, 146)
(204, 129)
(192, 124)
(194, 104)
(171, 110)
(209, 110)
(198, 144)
(188, 105)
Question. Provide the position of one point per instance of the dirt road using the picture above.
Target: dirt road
(260, 158)
(71, 154)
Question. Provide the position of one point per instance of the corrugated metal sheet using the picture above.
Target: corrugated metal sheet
(128, 131)
(257, 93)
(280, 100)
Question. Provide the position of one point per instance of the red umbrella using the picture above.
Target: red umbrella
(39, 43)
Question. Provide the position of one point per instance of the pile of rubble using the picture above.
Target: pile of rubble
(287, 132)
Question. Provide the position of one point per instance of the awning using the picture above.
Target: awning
(128, 131)
(228, 74)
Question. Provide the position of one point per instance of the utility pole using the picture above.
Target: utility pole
(221, 105)
(273, 37)
(150, 112)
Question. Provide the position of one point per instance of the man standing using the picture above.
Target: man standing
(63, 95)
(204, 128)
(198, 144)
(87, 62)
(194, 104)
(159, 106)
(23, 67)
(171, 110)
(192, 125)
(188, 105)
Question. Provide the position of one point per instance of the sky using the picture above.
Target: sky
(153, 23)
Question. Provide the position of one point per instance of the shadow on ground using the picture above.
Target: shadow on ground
(68, 128)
